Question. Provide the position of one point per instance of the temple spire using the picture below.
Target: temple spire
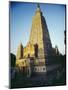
(38, 5)
(38, 8)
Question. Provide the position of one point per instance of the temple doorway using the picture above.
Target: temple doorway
(36, 50)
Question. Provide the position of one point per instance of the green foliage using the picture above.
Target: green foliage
(12, 60)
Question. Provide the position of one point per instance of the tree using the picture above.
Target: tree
(12, 60)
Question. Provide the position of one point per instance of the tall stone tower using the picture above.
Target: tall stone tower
(19, 52)
(39, 47)
(39, 34)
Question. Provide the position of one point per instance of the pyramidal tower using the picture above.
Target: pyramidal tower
(39, 34)
(39, 47)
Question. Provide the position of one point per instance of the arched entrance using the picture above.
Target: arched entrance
(36, 50)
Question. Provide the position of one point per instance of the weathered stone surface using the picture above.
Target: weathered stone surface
(29, 50)
(19, 52)
(39, 34)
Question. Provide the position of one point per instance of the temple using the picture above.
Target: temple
(33, 57)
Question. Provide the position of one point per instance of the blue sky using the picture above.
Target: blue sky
(21, 20)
